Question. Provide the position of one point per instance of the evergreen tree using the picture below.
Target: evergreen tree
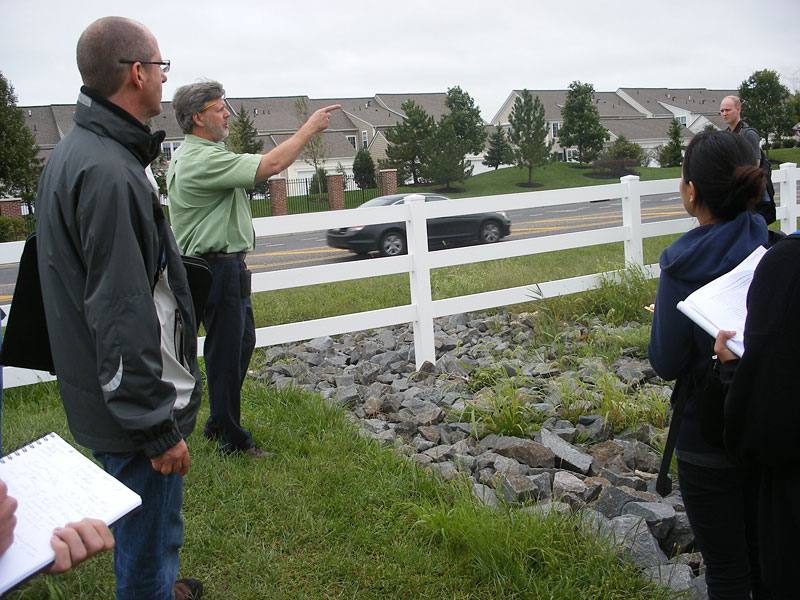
(671, 155)
(243, 136)
(581, 127)
(445, 163)
(19, 165)
(364, 170)
(766, 104)
(407, 140)
(528, 134)
(499, 152)
(466, 120)
(243, 139)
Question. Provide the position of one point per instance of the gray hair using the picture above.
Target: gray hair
(191, 99)
(103, 44)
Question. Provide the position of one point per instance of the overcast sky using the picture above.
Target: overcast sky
(358, 48)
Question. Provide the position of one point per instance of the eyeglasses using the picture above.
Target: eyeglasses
(164, 63)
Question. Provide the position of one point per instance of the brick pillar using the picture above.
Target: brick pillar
(388, 179)
(277, 197)
(336, 191)
(11, 208)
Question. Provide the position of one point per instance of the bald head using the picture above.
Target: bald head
(103, 44)
(731, 110)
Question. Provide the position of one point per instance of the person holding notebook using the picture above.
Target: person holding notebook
(73, 543)
(719, 187)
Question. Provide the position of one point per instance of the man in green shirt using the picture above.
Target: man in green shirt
(211, 218)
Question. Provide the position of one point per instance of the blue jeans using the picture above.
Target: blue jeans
(721, 505)
(230, 340)
(146, 550)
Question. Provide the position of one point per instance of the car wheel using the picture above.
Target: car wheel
(392, 243)
(490, 232)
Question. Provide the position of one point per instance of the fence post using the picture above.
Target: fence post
(420, 279)
(277, 197)
(388, 181)
(789, 197)
(336, 191)
(632, 220)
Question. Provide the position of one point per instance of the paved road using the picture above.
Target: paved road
(308, 249)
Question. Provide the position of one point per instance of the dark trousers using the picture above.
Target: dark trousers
(721, 505)
(230, 340)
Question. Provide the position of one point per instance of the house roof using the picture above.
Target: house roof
(695, 100)
(433, 103)
(643, 128)
(336, 145)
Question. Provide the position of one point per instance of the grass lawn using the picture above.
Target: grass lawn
(782, 155)
(335, 516)
(551, 177)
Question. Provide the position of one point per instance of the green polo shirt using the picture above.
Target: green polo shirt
(208, 205)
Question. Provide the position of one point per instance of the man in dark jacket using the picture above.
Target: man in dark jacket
(117, 302)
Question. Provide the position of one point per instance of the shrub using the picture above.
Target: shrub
(616, 167)
(314, 186)
(12, 229)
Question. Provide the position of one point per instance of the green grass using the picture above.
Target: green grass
(551, 177)
(336, 516)
(782, 155)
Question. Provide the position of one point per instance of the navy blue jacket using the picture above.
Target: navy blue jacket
(676, 343)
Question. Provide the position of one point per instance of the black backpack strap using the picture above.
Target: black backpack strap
(678, 401)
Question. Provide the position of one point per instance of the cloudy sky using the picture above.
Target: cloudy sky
(357, 48)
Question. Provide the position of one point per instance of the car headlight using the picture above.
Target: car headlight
(355, 228)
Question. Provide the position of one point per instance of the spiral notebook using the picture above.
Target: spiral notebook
(54, 484)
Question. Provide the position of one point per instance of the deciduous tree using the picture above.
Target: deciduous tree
(765, 104)
(314, 153)
(528, 133)
(581, 127)
(19, 165)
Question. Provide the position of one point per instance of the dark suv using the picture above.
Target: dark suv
(389, 239)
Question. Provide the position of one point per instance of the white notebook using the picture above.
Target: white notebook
(54, 484)
(722, 303)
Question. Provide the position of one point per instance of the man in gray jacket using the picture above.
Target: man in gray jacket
(117, 302)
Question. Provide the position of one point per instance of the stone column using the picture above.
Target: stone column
(388, 182)
(336, 191)
(277, 197)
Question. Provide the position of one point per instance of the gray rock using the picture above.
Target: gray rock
(613, 499)
(658, 516)
(567, 455)
(677, 577)
(485, 494)
(516, 487)
(525, 451)
(632, 534)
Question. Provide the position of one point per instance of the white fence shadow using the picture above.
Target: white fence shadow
(419, 262)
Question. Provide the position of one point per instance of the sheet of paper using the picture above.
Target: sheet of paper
(54, 484)
(722, 303)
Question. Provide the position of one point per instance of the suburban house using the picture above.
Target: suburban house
(642, 115)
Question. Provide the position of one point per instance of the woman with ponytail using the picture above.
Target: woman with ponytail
(719, 187)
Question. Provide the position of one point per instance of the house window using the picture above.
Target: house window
(555, 130)
(682, 121)
(352, 140)
(363, 139)
(167, 148)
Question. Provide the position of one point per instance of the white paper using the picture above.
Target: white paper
(54, 484)
(722, 304)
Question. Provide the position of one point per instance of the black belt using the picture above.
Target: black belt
(224, 255)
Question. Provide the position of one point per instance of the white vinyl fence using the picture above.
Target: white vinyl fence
(419, 262)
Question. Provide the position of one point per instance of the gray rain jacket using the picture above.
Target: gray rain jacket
(112, 282)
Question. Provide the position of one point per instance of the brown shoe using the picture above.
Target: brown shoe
(188, 589)
(256, 452)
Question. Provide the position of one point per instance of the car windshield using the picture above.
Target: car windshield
(382, 201)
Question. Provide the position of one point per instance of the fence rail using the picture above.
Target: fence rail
(419, 262)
